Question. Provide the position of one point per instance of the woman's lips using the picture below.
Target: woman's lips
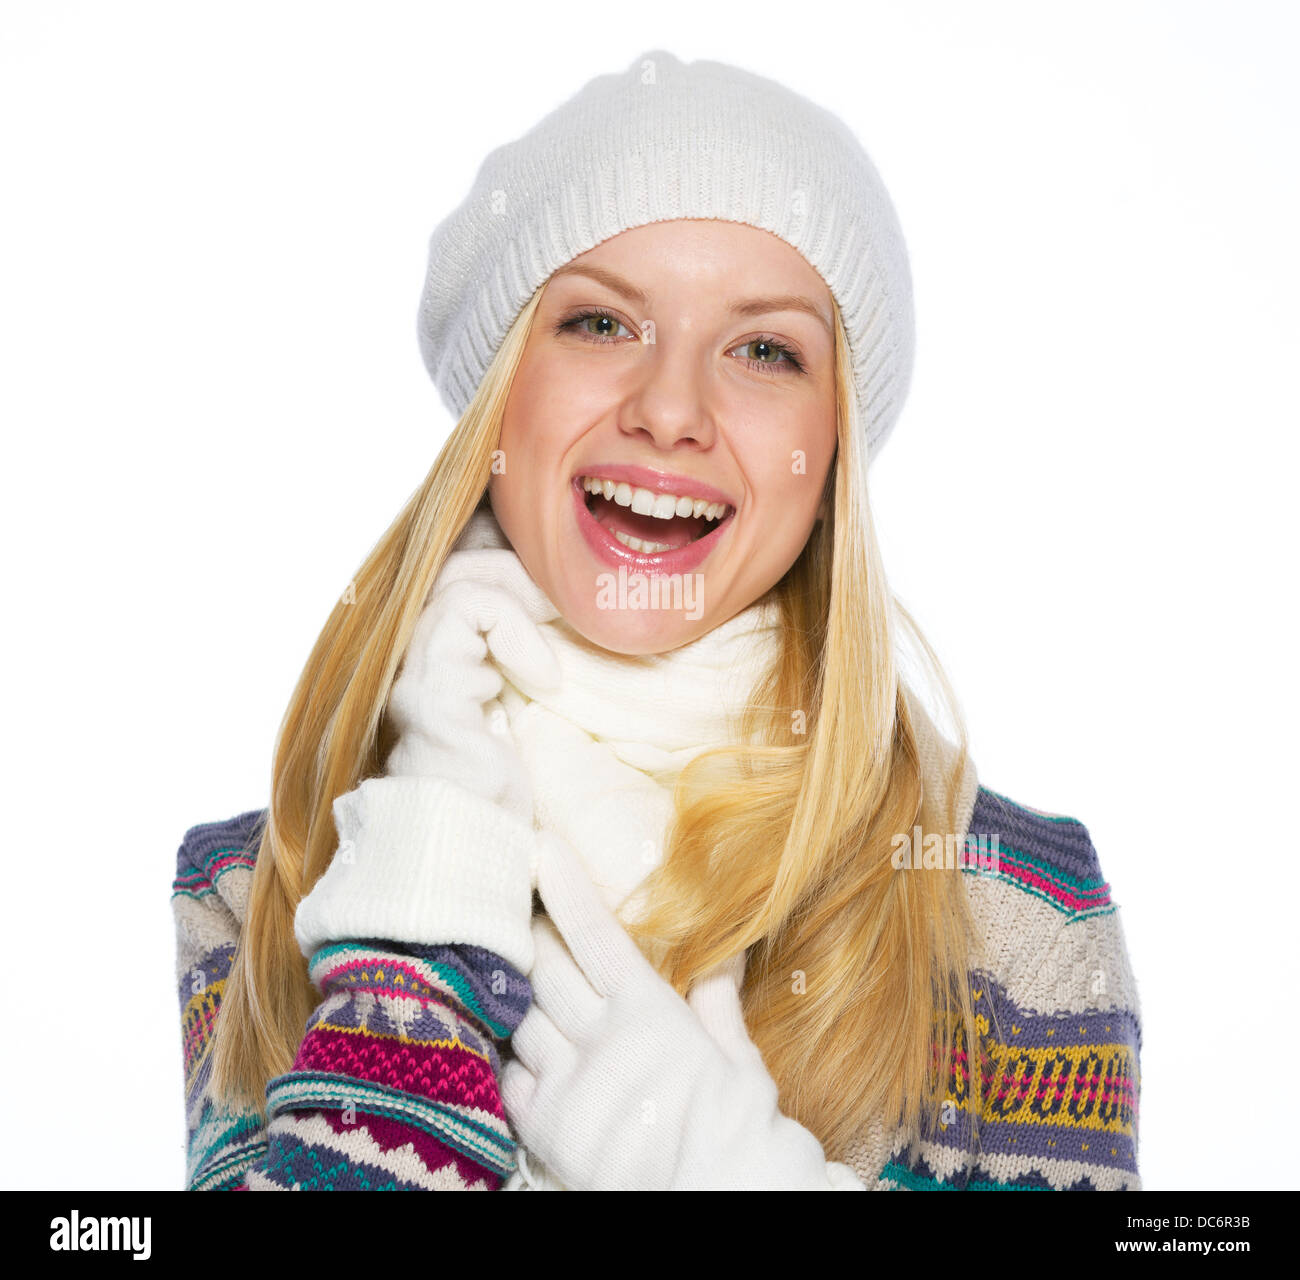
(610, 551)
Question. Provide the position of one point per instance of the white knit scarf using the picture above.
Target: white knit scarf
(604, 749)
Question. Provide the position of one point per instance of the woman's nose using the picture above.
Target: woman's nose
(670, 402)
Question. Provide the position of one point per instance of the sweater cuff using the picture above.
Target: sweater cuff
(424, 861)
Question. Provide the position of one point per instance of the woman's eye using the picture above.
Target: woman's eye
(594, 325)
(770, 347)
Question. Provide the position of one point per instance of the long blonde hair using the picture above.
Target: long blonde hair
(857, 990)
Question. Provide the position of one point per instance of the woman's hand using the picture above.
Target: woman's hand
(620, 1084)
(481, 620)
(442, 848)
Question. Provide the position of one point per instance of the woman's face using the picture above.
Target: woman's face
(683, 360)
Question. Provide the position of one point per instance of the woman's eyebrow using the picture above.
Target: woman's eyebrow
(740, 307)
(783, 302)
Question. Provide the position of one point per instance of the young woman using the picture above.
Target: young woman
(607, 846)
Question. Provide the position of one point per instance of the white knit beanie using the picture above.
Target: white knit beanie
(667, 140)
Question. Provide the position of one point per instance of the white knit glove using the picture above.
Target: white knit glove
(481, 620)
(442, 849)
(618, 1084)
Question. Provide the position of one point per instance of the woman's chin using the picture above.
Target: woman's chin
(635, 631)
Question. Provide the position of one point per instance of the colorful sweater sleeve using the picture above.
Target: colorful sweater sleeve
(394, 1086)
(1057, 1005)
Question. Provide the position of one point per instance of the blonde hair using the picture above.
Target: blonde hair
(857, 991)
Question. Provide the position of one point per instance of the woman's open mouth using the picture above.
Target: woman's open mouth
(664, 532)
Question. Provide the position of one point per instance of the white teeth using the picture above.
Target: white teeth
(663, 506)
(639, 544)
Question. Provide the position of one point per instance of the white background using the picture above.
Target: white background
(214, 226)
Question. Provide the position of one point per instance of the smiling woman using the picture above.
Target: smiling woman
(665, 362)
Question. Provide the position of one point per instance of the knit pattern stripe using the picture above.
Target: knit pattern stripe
(1049, 856)
(317, 1151)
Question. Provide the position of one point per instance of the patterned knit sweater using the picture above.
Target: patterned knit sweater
(394, 1086)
